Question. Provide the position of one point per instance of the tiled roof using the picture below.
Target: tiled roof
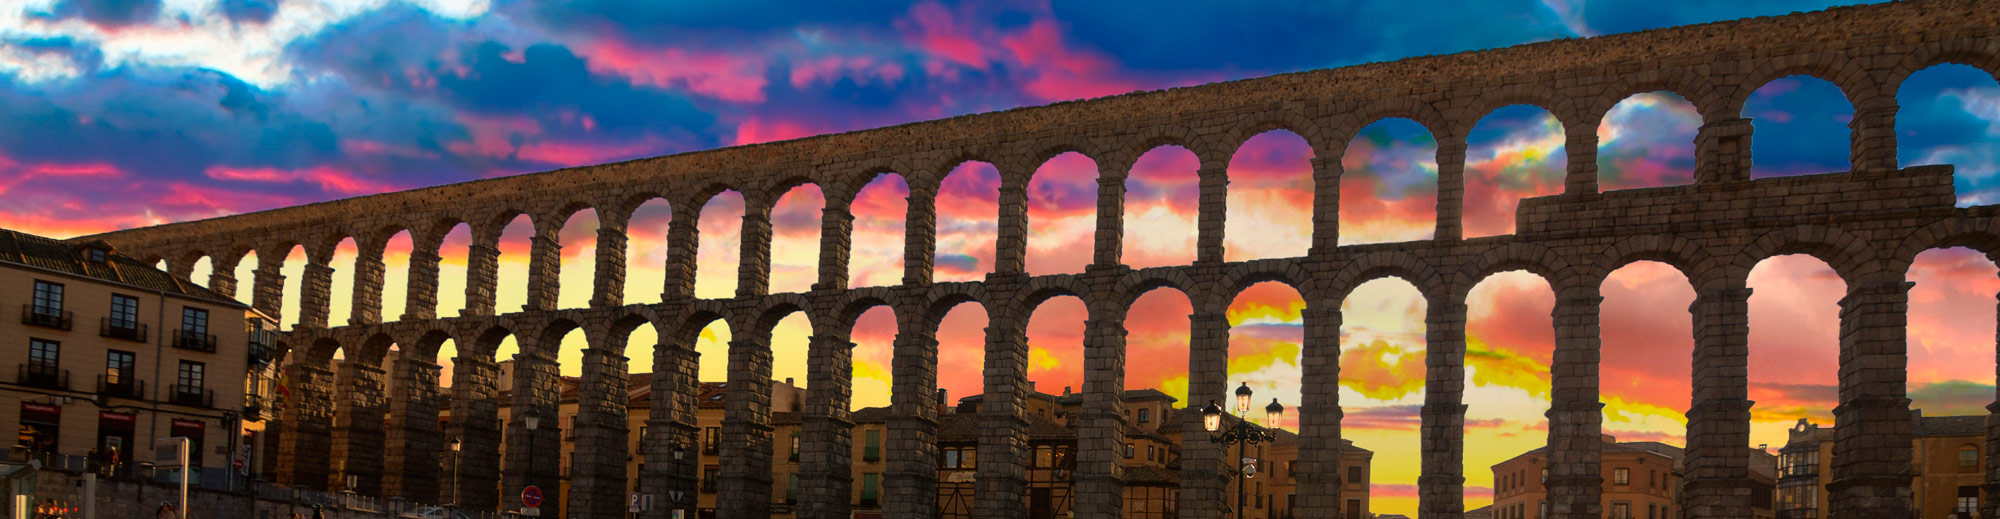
(870, 415)
(44, 253)
(1151, 475)
(1950, 426)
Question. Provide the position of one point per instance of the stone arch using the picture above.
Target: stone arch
(554, 327)
(1677, 252)
(1137, 283)
(1536, 259)
(1167, 135)
(1241, 276)
(943, 298)
(427, 339)
(618, 330)
(1689, 85)
(1349, 126)
(1972, 53)
(1851, 256)
(319, 350)
(486, 343)
(777, 307)
(1275, 119)
(1041, 289)
(860, 301)
(1563, 108)
(1389, 263)
(1980, 234)
(1042, 150)
(1833, 67)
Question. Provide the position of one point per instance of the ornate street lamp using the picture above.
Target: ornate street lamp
(454, 475)
(1242, 433)
(531, 420)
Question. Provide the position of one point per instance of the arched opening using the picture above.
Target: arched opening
(711, 347)
(961, 360)
(1950, 332)
(340, 306)
(1514, 152)
(1270, 201)
(1509, 351)
(1055, 373)
(646, 252)
(1266, 347)
(874, 337)
(1799, 126)
(875, 257)
(795, 239)
(246, 277)
(1647, 140)
(454, 252)
(1794, 345)
(577, 271)
(1950, 114)
(1646, 351)
(1382, 384)
(510, 289)
(968, 222)
(1157, 342)
(791, 340)
(203, 270)
(294, 270)
(1062, 215)
(1162, 195)
(720, 252)
(395, 276)
(1388, 184)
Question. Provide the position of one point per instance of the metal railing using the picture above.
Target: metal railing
(42, 376)
(45, 317)
(192, 396)
(127, 388)
(191, 340)
(126, 330)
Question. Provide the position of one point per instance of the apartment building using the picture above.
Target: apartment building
(1948, 464)
(111, 354)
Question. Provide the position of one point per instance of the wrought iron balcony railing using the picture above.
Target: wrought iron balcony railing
(192, 340)
(119, 329)
(127, 387)
(46, 317)
(42, 376)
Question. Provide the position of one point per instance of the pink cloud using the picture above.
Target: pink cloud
(729, 77)
(758, 130)
(1063, 73)
(370, 147)
(578, 153)
(327, 178)
(861, 69)
(937, 31)
(493, 137)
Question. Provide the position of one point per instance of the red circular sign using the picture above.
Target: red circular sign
(531, 497)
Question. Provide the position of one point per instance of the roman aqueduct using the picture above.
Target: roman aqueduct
(1867, 223)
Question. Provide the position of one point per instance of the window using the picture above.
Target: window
(868, 489)
(1621, 510)
(1151, 455)
(42, 356)
(1649, 512)
(1968, 458)
(708, 476)
(795, 449)
(118, 368)
(1145, 415)
(1354, 476)
(792, 492)
(872, 450)
(714, 440)
(1652, 479)
(190, 378)
(48, 298)
(950, 459)
(1621, 477)
(96, 255)
(1129, 450)
(124, 311)
(1968, 501)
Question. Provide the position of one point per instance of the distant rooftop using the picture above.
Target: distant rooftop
(75, 259)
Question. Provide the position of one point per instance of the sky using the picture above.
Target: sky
(128, 113)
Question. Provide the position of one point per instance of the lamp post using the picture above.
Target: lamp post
(453, 504)
(531, 420)
(1242, 433)
(675, 493)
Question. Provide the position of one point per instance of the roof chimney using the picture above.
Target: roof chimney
(788, 382)
(943, 401)
(1764, 447)
(1065, 390)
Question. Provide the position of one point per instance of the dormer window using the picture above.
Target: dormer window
(96, 255)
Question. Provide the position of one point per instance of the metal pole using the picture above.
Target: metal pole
(184, 478)
(1239, 469)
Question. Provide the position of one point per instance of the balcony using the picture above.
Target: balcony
(253, 407)
(192, 340)
(46, 317)
(125, 330)
(126, 388)
(261, 351)
(43, 376)
(192, 396)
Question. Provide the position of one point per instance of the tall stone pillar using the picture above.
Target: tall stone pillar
(416, 448)
(1326, 208)
(608, 289)
(1717, 467)
(670, 426)
(314, 293)
(1872, 134)
(1580, 145)
(1451, 190)
(836, 241)
(1000, 482)
(1722, 151)
(533, 457)
(753, 275)
(826, 465)
(1872, 426)
(920, 233)
(1575, 485)
(544, 266)
(597, 468)
(1203, 474)
(745, 488)
(357, 433)
(308, 415)
(683, 237)
(1441, 487)
(268, 286)
(223, 280)
(910, 481)
(474, 477)
(1099, 484)
(367, 296)
(482, 274)
(1319, 414)
(1110, 236)
(1211, 211)
(422, 291)
(1010, 251)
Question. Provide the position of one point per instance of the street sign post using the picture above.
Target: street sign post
(178, 445)
(531, 497)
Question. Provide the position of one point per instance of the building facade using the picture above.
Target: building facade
(111, 354)
(1642, 480)
(1948, 465)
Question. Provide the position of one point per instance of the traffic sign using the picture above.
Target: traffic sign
(531, 497)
